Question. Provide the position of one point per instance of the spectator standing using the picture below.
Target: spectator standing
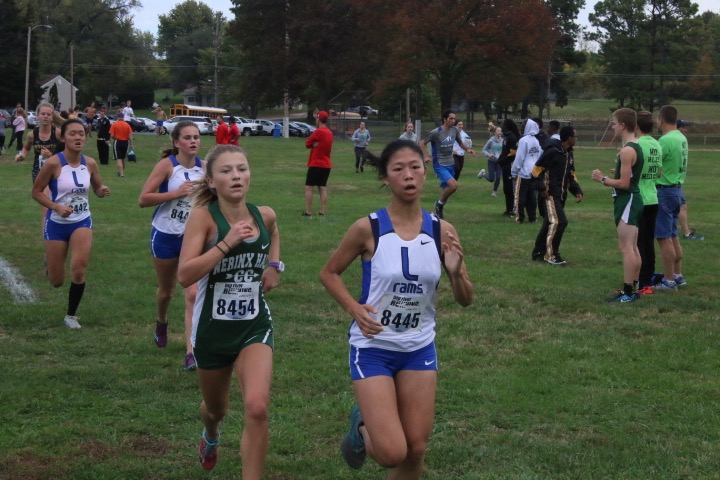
(409, 133)
(319, 164)
(528, 152)
(3, 126)
(103, 138)
(458, 152)
(652, 155)
(128, 112)
(511, 135)
(360, 138)
(553, 175)
(234, 132)
(11, 124)
(627, 200)
(122, 134)
(674, 147)
(19, 126)
(222, 133)
(89, 116)
(442, 141)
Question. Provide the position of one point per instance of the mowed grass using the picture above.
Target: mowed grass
(539, 378)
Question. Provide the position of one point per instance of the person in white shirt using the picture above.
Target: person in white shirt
(127, 112)
(528, 153)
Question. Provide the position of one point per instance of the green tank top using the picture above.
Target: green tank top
(233, 299)
(636, 170)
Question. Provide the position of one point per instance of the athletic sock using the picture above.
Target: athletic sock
(627, 289)
(440, 202)
(74, 297)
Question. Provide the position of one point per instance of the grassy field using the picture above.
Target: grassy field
(540, 378)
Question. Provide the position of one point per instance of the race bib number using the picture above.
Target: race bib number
(42, 161)
(236, 301)
(401, 313)
(180, 211)
(78, 204)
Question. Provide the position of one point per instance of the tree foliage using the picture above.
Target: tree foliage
(185, 31)
(645, 46)
(487, 50)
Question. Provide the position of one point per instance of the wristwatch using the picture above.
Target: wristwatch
(280, 266)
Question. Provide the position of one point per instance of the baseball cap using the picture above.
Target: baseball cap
(322, 115)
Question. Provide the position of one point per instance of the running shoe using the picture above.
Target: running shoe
(647, 290)
(353, 444)
(481, 173)
(305, 214)
(622, 297)
(190, 364)
(556, 260)
(208, 452)
(666, 286)
(494, 194)
(71, 321)
(692, 236)
(161, 334)
(680, 281)
(439, 209)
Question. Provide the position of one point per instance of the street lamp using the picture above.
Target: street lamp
(27, 65)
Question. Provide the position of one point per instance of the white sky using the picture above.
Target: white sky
(146, 18)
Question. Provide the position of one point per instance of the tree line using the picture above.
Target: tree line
(495, 57)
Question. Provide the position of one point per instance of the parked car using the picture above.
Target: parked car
(148, 123)
(264, 127)
(204, 124)
(138, 125)
(293, 130)
(311, 128)
(305, 132)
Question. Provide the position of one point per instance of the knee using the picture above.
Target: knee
(391, 457)
(57, 282)
(256, 410)
(164, 293)
(214, 412)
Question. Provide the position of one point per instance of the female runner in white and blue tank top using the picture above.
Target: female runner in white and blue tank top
(169, 188)
(392, 351)
(70, 176)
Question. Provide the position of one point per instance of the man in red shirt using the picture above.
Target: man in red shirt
(319, 164)
(222, 133)
(121, 132)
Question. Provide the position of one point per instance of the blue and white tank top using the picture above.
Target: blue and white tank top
(170, 217)
(71, 188)
(400, 281)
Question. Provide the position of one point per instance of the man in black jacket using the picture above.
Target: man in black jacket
(553, 175)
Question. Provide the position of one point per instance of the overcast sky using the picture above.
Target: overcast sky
(146, 18)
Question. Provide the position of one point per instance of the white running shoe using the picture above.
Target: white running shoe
(71, 321)
(481, 173)
(494, 194)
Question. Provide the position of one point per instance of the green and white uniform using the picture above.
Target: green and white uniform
(230, 312)
(628, 202)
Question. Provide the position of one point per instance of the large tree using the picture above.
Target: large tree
(313, 50)
(13, 38)
(646, 47)
(183, 33)
(489, 50)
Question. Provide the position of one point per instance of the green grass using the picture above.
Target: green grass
(540, 378)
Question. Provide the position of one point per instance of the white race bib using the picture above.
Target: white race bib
(236, 301)
(401, 313)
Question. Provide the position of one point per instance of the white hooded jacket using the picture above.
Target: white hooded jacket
(528, 152)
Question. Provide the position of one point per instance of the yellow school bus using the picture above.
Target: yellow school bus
(196, 111)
